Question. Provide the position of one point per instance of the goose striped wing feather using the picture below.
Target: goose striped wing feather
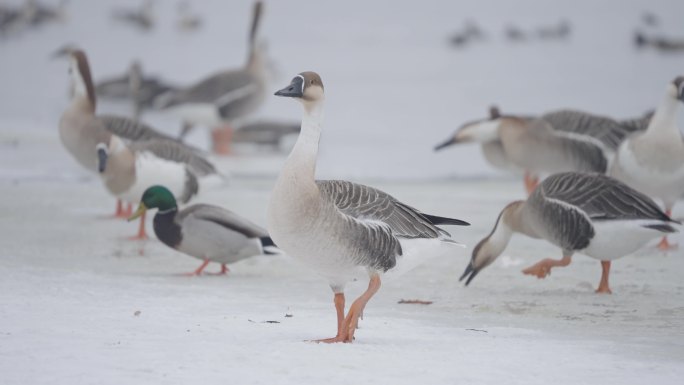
(601, 197)
(176, 152)
(131, 130)
(608, 131)
(369, 204)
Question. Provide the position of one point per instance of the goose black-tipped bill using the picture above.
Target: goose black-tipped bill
(294, 90)
(470, 273)
(101, 159)
(446, 144)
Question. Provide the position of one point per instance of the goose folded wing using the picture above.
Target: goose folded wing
(608, 131)
(372, 205)
(602, 197)
(176, 152)
(130, 129)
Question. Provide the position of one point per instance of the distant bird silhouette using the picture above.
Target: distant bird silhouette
(660, 43)
(142, 17)
(186, 20)
(514, 33)
(650, 19)
(559, 31)
(470, 32)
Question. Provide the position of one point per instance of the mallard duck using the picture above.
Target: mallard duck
(339, 227)
(591, 214)
(206, 232)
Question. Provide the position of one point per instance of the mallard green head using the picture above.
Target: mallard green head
(155, 197)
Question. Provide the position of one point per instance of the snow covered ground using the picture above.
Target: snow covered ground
(80, 305)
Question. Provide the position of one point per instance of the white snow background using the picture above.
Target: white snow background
(71, 286)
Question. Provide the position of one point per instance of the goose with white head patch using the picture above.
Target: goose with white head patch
(339, 227)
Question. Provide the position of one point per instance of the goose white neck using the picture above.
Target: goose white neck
(81, 97)
(302, 159)
(501, 235)
(665, 118)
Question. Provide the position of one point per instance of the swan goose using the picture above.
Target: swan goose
(339, 227)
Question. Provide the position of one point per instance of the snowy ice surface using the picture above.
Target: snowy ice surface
(71, 286)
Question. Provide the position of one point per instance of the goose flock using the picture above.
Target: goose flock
(596, 185)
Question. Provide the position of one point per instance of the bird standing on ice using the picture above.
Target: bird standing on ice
(339, 227)
(653, 161)
(207, 232)
(81, 129)
(587, 213)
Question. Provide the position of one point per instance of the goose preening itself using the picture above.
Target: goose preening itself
(339, 227)
(206, 232)
(591, 214)
(142, 17)
(88, 137)
(563, 140)
(223, 98)
(653, 161)
(531, 144)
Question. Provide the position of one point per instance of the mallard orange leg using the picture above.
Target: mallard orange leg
(142, 235)
(603, 285)
(224, 270)
(199, 270)
(543, 268)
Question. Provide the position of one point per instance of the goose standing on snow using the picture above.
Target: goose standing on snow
(81, 130)
(531, 144)
(338, 227)
(653, 161)
(206, 232)
(591, 214)
(225, 97)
